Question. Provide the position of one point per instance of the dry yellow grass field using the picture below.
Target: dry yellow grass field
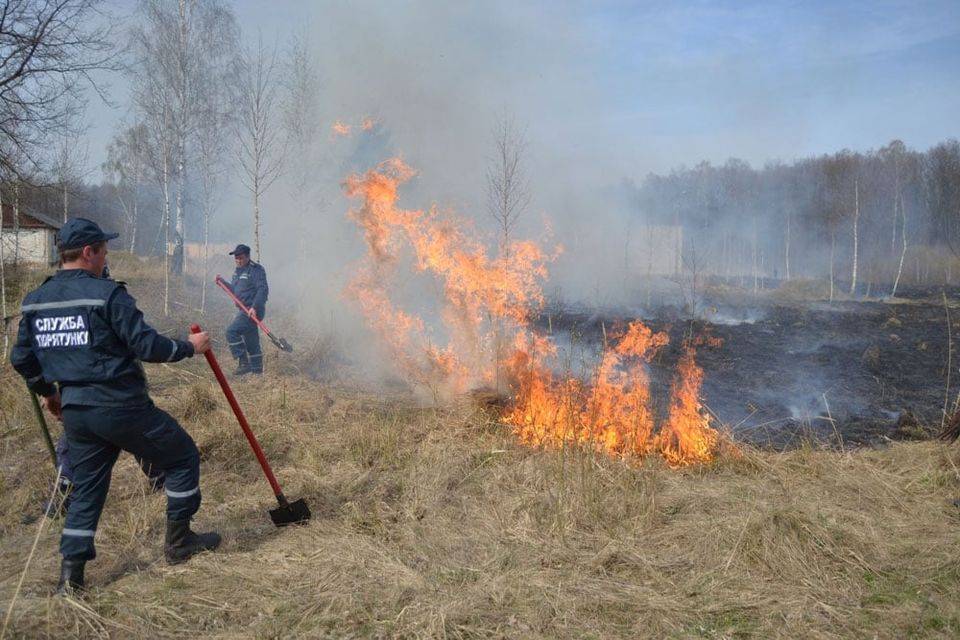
(433, 522)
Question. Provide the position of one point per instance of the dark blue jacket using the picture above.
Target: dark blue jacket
(249, 283)
(86, 334)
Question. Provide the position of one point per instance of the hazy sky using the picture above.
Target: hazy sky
(630, 87)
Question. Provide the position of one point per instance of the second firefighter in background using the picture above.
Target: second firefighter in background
(249, 284)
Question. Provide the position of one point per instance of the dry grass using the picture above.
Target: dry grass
(433, 522)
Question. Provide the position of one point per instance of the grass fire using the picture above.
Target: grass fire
(489, 320)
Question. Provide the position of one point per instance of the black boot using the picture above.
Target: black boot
(71, 577)
(243, 366)
(181, 543)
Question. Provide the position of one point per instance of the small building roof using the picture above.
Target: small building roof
(29, 219)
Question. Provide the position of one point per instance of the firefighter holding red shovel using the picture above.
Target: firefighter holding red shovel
(80, 345)
(249, 286)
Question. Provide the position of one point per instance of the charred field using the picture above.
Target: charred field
(789, 371)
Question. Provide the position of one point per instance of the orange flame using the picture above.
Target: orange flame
(687, 436)
(487, 304)
(340, 129)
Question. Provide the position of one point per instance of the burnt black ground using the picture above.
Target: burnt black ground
(880, 367)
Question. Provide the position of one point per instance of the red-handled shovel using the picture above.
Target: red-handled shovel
(278, 342)
(295, 512)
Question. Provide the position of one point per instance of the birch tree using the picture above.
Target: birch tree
(213, 145)
(70, 156)
(260, 151)
(177, 47)
(301, 121)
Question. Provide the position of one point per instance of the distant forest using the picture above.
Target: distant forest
(867, 220)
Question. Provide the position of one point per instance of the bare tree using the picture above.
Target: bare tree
(48, 49)
(856, 234)
(3, 280)
(153, 103)
(261, 144)
(126, 167)
(70, 155)
(187, 49)
(508, 195)
(901, 167)
(213, 146)
(301, 121)
(508, 185)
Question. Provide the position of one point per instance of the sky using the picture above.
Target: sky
(628, 87)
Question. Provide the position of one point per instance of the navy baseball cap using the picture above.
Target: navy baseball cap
(79, 232)
(240, 250)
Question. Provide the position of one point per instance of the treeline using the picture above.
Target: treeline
(866, 222)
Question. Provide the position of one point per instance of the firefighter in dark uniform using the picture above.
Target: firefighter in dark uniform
(60, 502)
(249, 284)
(80, 346)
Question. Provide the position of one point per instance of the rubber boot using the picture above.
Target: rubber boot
(182, 544)
(71, 577)
(243, 366)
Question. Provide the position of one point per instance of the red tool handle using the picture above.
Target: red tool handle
(223, 285)
(212, 361)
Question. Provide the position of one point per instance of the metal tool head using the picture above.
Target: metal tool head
(296, 512)
(281, 343)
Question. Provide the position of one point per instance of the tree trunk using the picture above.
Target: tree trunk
(833, 250)
(16, 223)
(856, 235)
(3, 283)
(166, 238)
(66, 202)
(787, 251)
(206, 253)
(896, 199)
(133, 226)
(181, 132)
(256, 216)
(178, 232)
(756, 273)
(903, 252)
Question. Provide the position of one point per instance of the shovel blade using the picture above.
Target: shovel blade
(296, 512)
(281, 343)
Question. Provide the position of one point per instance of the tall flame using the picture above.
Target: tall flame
(486, 309)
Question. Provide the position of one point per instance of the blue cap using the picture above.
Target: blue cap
(79, 232)
(240, 250)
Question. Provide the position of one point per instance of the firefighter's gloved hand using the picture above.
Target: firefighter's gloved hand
(52, 403)
(252, 313)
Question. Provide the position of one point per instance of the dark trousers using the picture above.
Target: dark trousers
(95, 436)
(65, 462)
(243, 336)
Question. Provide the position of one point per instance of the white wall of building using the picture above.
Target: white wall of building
(35, 245)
